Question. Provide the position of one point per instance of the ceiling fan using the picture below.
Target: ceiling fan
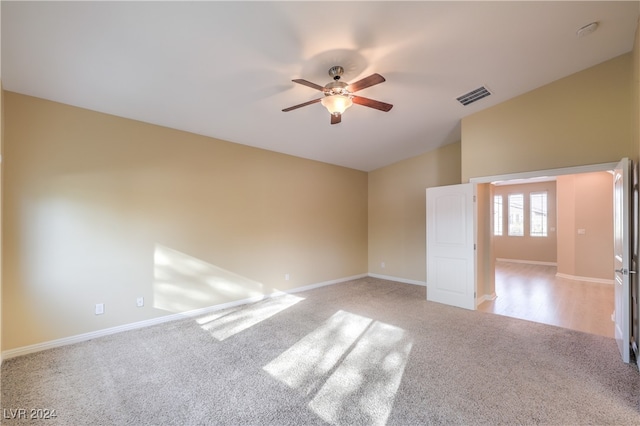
(338, 95)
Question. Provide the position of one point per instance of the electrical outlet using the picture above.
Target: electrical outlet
(382, 265)
(99, 308)
(286, 277)
(140, 302)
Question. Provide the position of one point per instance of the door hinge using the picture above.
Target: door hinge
(474, 247)
(474, 294)
(474, 198)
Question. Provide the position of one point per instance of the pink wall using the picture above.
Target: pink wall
(585, 225)
(585, 203)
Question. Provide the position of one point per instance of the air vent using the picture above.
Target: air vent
(474, 95)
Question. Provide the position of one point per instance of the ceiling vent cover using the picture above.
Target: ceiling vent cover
(474, 95)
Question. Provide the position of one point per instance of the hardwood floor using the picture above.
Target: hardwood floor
(534, 293)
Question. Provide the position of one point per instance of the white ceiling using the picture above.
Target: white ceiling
(224, 69)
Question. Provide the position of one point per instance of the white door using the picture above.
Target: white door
(451, 268)
(621, 248)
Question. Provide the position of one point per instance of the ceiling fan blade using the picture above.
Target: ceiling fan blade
(366, 82)
(335, 119)
(382, 106)
(301, 105)
(308, 84)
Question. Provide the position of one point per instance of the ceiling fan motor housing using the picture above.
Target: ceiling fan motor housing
(336, 72)
(336, 88)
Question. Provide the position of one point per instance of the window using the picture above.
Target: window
(516, 215)
(538, 214)
(497, 215)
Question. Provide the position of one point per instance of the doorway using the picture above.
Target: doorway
(553, 251)
(550, 294)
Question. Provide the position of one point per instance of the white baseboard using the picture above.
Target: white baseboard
(479, 300)
(485, 298)
(530, 262)
(397, 279)
(325, 283)
(24, 350)
(587, 279)
(559, 275)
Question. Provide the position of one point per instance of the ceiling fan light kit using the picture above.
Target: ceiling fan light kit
(338, 95)
(336, 104)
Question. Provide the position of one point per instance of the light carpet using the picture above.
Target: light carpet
(365, 352)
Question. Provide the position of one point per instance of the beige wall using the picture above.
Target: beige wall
(636, 90)
(635, 299)
(100, 209)
(582, 119)
(485, 266)
(397, 211)
(585, 203)
(537, 249)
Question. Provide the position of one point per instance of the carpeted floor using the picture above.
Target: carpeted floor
(365, 352)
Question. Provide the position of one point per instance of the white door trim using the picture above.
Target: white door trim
(603, 167)
(622, 257)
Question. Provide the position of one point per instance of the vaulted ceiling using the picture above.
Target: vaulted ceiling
(224, 69)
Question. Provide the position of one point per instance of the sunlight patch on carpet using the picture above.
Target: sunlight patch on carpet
(350, 367)
(226, 323)
(306, 364)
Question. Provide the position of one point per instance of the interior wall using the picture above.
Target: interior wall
(635, 281)
(485, 251)
(567, 229)
(526, 247)
(101, 209)
(585, 118)
(1, 204)
(635, 54)
(585, 224)
(1, 152)
(397, 211)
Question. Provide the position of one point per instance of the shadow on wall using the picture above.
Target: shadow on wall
(184, 283)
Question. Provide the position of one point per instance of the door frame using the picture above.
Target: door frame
(622, 256)
(602, 167)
